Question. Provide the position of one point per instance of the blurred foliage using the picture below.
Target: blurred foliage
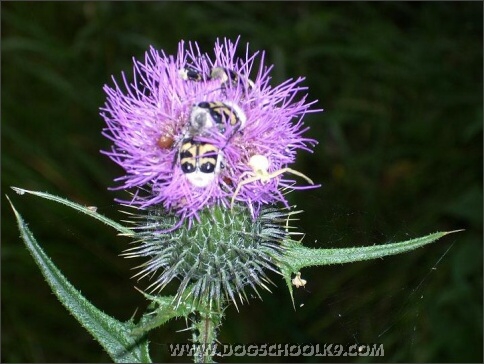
(399, 156)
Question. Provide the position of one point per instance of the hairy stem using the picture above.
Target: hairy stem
(205, 330)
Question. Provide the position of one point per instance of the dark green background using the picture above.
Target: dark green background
(399, 156)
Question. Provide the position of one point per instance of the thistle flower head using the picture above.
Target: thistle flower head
(198, 136)
(194, 131)
(215, 262)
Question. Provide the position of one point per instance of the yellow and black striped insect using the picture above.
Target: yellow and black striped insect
(228, 76)
(199, 161)
(208, 114)
(188, 73)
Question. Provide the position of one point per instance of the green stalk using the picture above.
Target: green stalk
(204, 333)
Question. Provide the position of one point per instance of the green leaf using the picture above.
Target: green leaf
(84, 209)
(114, 336)
(163, 310)
(297, 256)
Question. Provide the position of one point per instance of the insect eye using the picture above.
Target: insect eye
(187, 167)
(207, 167)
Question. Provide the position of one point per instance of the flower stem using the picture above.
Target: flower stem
(205, 332)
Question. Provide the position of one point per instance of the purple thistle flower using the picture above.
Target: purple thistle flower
(187, 128)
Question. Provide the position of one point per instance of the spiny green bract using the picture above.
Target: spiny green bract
(216, 258)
